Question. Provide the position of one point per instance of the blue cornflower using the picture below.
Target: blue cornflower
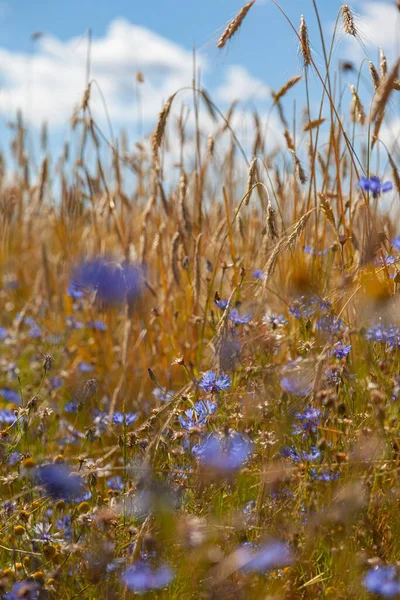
(340, 350)
(389, 334)
(383, 581)
(396, 243)
(330, 323)
(389, 260)
(73, 323)
(274, 320)
(210, 382)
(303, 307)
(271, 556)
(308, 420)
(71, 407)
(163, 395)
(140, 577)
(298, 456)
(237, 319)
(295, 380)
(34, 332)
(97, 325)
(374, 185)
(323, 475)
(3, 333)
(120, 418)
(74, 290)
(55, 382)
(7, 416)
(197, 416)
(58, 481)
(222, 304)
(26, 590)
(259, 274)
(112, 282)
(115, 483)
(224, 452)
(314, 252)
(85, 367)
(10, 395)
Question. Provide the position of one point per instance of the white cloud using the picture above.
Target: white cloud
(240, 84)
(48, 84)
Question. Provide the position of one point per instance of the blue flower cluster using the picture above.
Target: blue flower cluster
(375, 185)
(198, 415)
(224, 452)
(211, 382)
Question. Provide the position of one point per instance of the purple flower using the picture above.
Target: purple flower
(10, 395)
(323, 475)
(330, 323)
(97, 325)
(7, 416)
(308, 421)
(58, 481)
(74, 290)
(237, 319)
(163, 395)
(271, 556)
(383, 581)
(259, 274)
(113, 282)
(197, 416)
(298, 456)
(115, 483)
(341, 350)
(374, 185)
(396, 243)
(314, 252)
(120, 418)
(3, 333)
(142, 578)
(224, 452)
(210, 382)
(222, 304)
(275, 320)
(389, 334)
(85, 367)
(23, 590)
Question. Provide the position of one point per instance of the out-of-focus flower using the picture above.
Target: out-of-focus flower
(340, 350)
(7, 416)
(198, 415)
(329, 323)
(300, 455)
(142, 577)
(386, 334)
(85, 367)
(237, 319)
(115, 483)
(314, 252)
(97, 325)
(163, 395)
(383, 581)
(113, 282)
(374, 185)
(323, 475)
(222, 304)
(58, 481)
(211, 382)
(396, 243)
(274, 555)
(3, 333)
(259, 274)
(224, 452)
(308, 421)
(10, 395)
(274, 320)
(23, 590)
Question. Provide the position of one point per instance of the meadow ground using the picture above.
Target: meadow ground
(199, 362)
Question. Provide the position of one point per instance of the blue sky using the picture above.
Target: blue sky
(46, 77)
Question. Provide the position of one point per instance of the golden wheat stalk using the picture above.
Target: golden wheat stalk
(285, 88)
(234, 25)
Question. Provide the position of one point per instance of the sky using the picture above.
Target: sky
(44, 49)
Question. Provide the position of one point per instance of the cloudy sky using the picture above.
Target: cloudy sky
(44, 45)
